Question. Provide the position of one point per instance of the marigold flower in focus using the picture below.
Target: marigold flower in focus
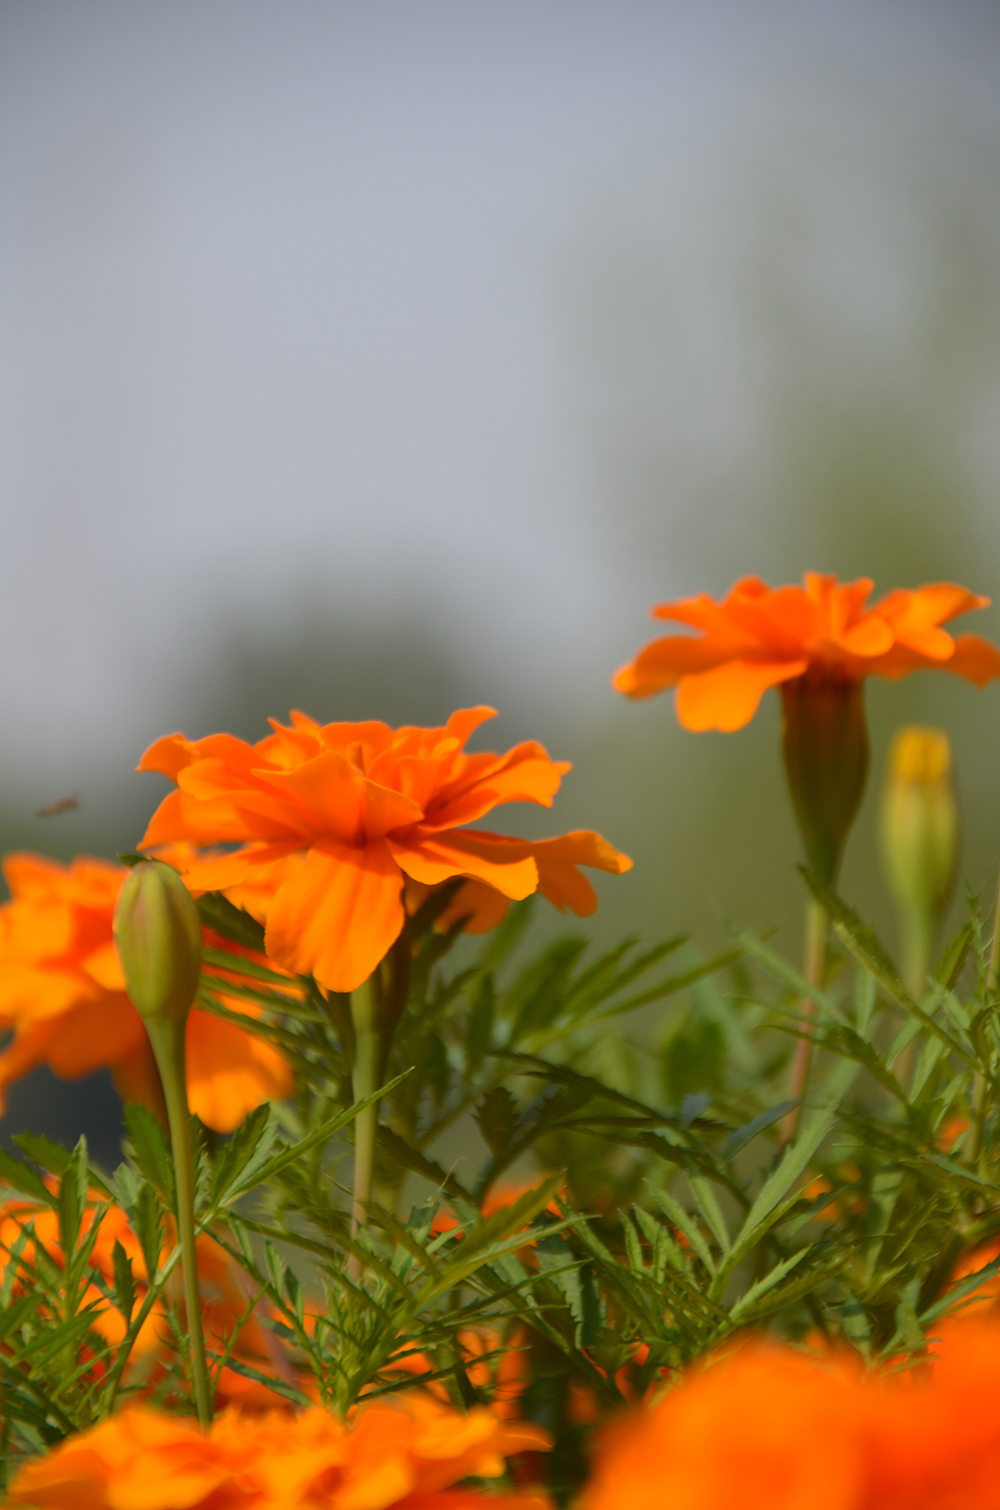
(818, 643)
(62, 993)
(340, 816)
(408, 1454)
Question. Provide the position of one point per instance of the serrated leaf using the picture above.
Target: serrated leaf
(741, 1136)
(41, 1150)
(146, 1223)
(794, 1161)
(72, 1198)
(148, 1147)
(124, 1284)
(22, 1177)
(231, 922)
(685, 1223)
(246, 1151)
(756, 1292)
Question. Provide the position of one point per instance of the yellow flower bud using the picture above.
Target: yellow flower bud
(920, 820)
(158, 936)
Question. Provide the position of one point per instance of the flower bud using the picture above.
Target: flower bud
(825, 745)
(158, 935)
(920, 820)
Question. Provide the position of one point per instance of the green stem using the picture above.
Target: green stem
(167, 1039)
(366, 1077)
(817, 926)
(916, 948)
(980, 1088)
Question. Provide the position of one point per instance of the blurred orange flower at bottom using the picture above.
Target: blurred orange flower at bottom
(769, 1428)
(406, 1455)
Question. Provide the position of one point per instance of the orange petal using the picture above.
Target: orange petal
(481, 905)
(663, 662)
(501, 862)
(230, 1070)
(728, 697)
(975, 658)
(338, 915)
(168, 755)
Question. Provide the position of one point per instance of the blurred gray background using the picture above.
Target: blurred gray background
(381, 356)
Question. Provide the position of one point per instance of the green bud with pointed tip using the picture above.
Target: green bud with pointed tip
(158, 936)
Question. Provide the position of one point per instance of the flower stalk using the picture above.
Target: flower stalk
(158, 935)
(376, 1008)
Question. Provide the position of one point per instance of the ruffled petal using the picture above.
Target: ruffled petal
(338, 915)
(504, 863)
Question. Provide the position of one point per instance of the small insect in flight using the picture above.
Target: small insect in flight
(61, 805)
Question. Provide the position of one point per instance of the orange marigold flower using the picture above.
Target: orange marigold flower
(769, 1428)
(406, 1455)
(62, 993)
(818, 643)
(760, 637)
(333, 819)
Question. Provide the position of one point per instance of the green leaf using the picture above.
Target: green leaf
(749, 1130)
(795, 1159)
(124, 1284)
(41, 1150)
(232, 923)
(22, 1177)
(685, 1223)
(147, 1144)
(863, 943)
(246, 1151)
(146, 1223)
(72, 1199)
(756, 1292)
(496, 1116)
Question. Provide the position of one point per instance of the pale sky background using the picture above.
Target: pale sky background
(381, 305)
(389, 354)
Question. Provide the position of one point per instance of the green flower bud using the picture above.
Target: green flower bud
(158, 935)
(920, 821)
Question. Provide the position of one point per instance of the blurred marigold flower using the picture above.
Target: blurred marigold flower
(770, 1428)
(760, 637)
(408, 1454)
(818, 643)
(231, 1321)
(334, 820)
(62, 993)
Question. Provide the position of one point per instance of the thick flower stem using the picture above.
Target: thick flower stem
(817, 927)
(366, 1079)
(167, 1039)
(980, 1087)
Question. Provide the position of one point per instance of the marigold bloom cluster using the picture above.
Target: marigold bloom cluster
(760, 637)
(406, 1456)
(770, 1428)
(62, 993)
(334, 820)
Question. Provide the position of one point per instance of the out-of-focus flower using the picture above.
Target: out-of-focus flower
(337, 818)
(760, 637)
(498, 1369)
(818, 643)
(229, 1314)
(773, 1428)
(406, 1455)
(62, 993)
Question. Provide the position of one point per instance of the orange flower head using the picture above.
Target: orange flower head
(817, 642)
(773, 1428)
(760, 637)
(62, 993)
(336, 821)
(408, 1455)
